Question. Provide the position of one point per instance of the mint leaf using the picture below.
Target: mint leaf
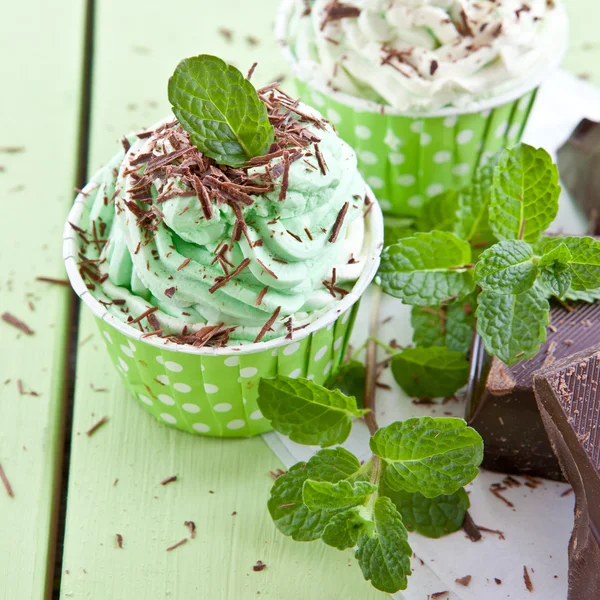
(450, 326)
(472, 210)
(427, 269)
(525, 194)
(430, 372)
(306, 412)
(583, 295)
(431, 517)
(439, 213)
(350, 380)
(584, 265)
(286, 506)
(429, 455)
(506, 268)
(513, 327)
(344, 529)
(383, 551)
(555, 273)
(343, 494)
(221, 110)
(396, 228)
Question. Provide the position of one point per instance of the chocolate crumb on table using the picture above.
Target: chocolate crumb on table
(527, 579)
(466, 580)
(437, 595)
(96, 426)
(6, 483)
(12, 320)
(259, 566)
(179, 543)
(168, 480)
(63, 282)
(192, 527)
(119, 540)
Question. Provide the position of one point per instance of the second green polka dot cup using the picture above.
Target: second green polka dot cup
(213, 391)
(408, 158)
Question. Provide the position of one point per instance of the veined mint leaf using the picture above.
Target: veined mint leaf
(429, 455)
(450, 326)
(430, 372)
(306, 412)
(431, 517)
(350, 380)
(525, 194)
(286, 506)
(439, 213)
(506, 268)
(472, 210)
(343, 494)
(555, 273)
(584, 265)
(583, 295)
(513, 327)
(221, 110)
(427, 269)
(383, 551)
(344, 528)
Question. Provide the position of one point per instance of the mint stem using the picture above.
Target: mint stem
(371, 366)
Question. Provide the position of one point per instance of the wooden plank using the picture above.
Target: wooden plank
(133, 61)
(41, 79)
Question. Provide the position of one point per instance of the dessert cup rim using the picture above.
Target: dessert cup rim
(373, 223)
(281, 22)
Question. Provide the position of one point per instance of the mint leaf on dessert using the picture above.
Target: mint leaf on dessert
(383, 551)
(427, 269)
(286, 506)
(319, 495)
(344, 529)
(306, 412)
(431, 517)
(430, 372)
(450, 326)
(350, 380)
(525, 194)
(432, 456)
(220, 109)
(513, 326)
(555, 273)
(584, 265)
(506, 268)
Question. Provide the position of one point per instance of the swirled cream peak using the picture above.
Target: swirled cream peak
(425, 54)
(202, 253)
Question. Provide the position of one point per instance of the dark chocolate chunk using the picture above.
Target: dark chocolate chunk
(501, 403)
(569, 403)
(579, 165)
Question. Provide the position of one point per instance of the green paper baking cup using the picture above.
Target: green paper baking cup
(409, 157)
(213, 391)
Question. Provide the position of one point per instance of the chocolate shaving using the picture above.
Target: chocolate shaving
(261, 296)
(185, 263)
(145, 314)
(12, 320)
(119, 541)
(336, 11)
(338, 223)
(469, 527)
(168, 480)
(320, 160)
(64, 282)
(259, 566)
(251, 71)
(96, 426)
(433, 67)
(221, 281)
(464, 580)
(267, 270)
(267, 325)
(6, 483)
(527, 579)
(285, 178)
(170, 292)
(192, 527)
(179, 543)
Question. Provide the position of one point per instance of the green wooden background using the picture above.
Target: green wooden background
(137, 44)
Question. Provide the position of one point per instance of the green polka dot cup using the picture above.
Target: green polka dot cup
(213, 391)
(408, 158)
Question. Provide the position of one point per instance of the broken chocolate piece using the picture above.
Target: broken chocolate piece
(569, 402)
(501, 403)
(578, 162)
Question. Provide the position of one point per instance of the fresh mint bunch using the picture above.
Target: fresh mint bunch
(220, 109)
(486, 249)
(416, 472)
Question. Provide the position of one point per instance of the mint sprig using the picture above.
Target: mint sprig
(220, 109)
(307, 413)
(427, 269)
(346, 504)
(500, 217)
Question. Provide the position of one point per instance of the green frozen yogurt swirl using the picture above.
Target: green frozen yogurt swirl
(258, 251)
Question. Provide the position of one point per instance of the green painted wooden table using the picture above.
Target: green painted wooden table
(63, 109)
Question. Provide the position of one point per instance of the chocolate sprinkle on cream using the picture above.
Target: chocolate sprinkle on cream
(267, 325)
(337, 226)
(170, 292)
